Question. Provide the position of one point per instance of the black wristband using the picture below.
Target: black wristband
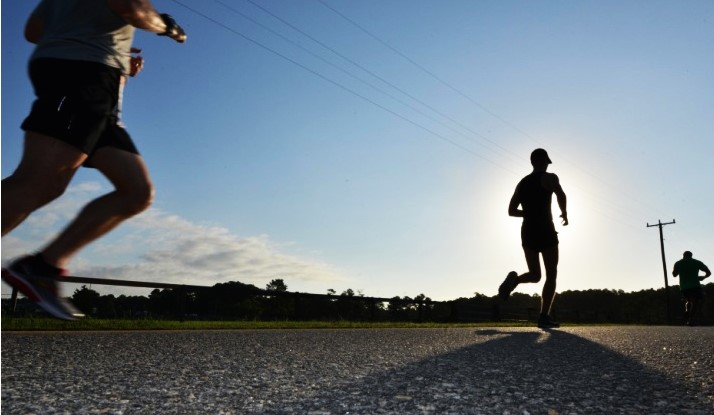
(173, 30)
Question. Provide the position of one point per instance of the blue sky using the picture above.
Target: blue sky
(374, 145)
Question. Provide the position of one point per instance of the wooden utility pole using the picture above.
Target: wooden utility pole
(659, 224)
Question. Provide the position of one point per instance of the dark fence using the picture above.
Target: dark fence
(285, 305)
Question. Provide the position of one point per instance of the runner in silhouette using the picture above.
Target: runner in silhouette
(538, 236)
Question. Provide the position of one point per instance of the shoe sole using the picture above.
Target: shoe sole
(17, 281)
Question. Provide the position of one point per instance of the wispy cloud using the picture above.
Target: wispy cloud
(163, 247)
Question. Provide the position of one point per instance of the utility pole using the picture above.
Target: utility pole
(659, 224)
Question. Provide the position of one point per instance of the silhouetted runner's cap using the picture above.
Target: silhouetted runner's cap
(540, 154)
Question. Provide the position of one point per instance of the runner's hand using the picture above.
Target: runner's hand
(565, 219)
(136, 63)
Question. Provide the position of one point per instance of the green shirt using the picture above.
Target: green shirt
(688, 271)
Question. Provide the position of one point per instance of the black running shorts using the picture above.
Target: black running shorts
(539, 236)
(76, 103)
(692, 294)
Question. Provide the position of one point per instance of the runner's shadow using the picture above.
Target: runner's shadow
(535, 371)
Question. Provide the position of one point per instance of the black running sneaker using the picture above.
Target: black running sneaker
(39, 283)
(508, 285)
(546, 322)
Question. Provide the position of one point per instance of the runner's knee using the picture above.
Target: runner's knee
(531, 276)
(138, 198)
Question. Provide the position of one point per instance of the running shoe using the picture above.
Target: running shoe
(546, 322)
(508, 285)
(39, 283)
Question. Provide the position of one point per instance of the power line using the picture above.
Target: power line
(337, 84)
(339, 68)
(423, 69)
(382, 79)
(351, 91)
(456, 90)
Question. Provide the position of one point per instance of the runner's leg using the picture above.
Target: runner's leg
(133, 193)
(45, 170)
(550, 262)
(533, 262)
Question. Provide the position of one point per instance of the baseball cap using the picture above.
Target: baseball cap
(540, 154)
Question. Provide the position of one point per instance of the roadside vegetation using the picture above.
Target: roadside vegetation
(233, 305)
(91, 324)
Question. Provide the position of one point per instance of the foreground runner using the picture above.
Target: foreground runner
(83, 53)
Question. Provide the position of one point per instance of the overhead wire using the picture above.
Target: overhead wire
(380, 78)
(341, 69)
(339, 85)
(371, 101)
(430, 73)
(453, 88)
(440, 136)
(422, 68)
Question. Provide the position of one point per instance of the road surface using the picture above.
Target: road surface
(578, 370)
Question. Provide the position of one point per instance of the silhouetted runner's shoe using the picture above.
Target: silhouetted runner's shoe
(38, 282)
(508, 285)
(545, 322)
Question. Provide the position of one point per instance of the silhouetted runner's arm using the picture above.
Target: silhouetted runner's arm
(554, 184)
(707, 273)
(513, 209)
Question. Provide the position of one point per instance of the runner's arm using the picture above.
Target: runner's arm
(139, 13)
(142, 15)
(513, 205)
(561, 198)
(34, 27)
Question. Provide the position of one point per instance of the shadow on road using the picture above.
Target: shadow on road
(552, 372)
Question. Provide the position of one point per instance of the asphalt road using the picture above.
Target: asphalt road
(584, 370)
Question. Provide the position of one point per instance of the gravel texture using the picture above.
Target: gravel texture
(583, 370)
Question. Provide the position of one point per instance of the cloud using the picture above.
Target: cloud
(159, 246)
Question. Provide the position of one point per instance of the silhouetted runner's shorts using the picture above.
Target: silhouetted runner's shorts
(76, 103)
(539, 236)
(693, 293)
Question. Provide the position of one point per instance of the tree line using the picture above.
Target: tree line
(238, 301)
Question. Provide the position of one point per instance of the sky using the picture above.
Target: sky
(375, 145)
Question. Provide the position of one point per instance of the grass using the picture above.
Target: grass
(91, 324)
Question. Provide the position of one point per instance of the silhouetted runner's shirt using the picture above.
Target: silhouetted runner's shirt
(688, 271)
(537, 230)
(83, 30)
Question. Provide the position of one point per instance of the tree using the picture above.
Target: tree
(277, 285)
(86, 299)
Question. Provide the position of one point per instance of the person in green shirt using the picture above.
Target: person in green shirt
(687, 269)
